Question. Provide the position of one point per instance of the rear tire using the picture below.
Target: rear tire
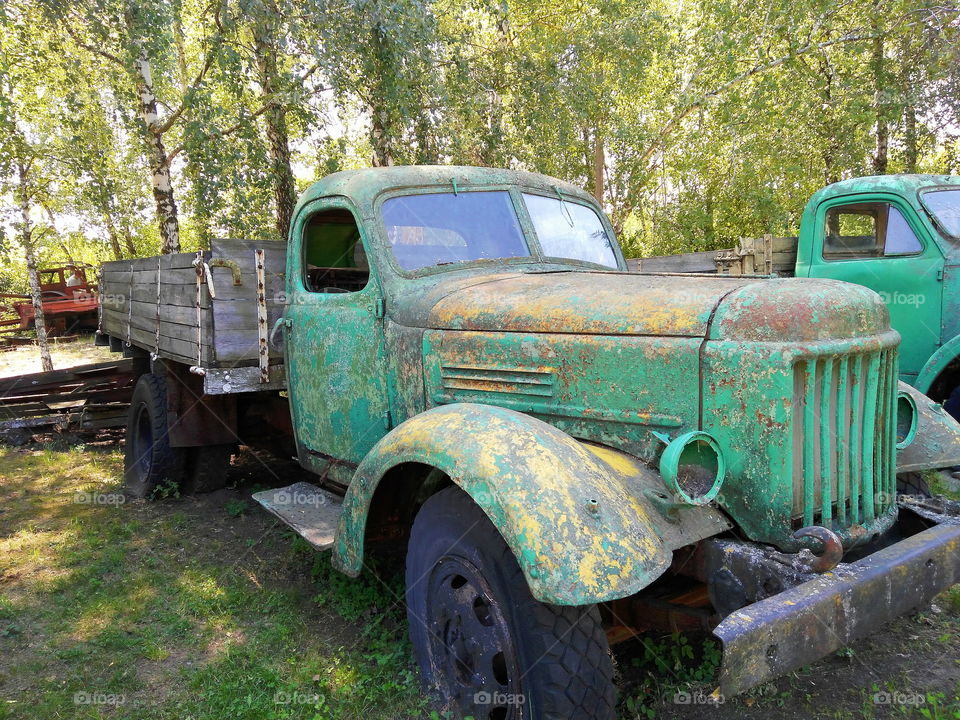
(485, 646)
(149, 461)
(207, 470)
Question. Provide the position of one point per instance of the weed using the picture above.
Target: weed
(235, 508)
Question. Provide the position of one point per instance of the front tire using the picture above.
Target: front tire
(149, 462)
(485, 646)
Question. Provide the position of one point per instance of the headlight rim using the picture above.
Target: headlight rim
(670, 463)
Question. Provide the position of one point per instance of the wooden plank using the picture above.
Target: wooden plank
(224, 381)
(702, 262)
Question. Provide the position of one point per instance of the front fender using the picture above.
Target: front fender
(936, 364)
(576, 516)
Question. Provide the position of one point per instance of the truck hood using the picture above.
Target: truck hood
(595, 303)
(574, 302)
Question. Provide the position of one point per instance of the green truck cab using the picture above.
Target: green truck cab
(900, 236)
(570, 452)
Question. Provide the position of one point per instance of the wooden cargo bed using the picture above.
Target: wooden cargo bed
(752, 256)
(165, 306)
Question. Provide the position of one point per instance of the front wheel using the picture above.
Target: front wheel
(486, 648)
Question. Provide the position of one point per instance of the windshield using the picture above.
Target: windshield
(944, 206)
(569, 230)
(440, 228)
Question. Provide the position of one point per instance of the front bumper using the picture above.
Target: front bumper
(795, 627)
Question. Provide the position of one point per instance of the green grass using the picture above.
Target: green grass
(178, 612)
(205, 609)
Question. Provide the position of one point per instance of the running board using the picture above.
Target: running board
(312, 512)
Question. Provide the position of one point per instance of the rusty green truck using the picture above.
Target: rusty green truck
(571, 453)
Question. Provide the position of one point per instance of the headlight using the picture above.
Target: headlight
(906, 419)
(693, 468)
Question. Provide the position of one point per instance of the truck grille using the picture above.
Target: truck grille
(843, 438)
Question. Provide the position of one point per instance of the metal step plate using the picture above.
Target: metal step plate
(311, 511)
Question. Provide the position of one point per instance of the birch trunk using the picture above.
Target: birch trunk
(275, 117)
(598, 165)
(166, 205)
(26, 237)
(881, 101)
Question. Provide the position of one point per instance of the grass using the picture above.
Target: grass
(205, 608)
(25, 359)
(179, 609)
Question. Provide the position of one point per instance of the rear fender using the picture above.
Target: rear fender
(575, 515)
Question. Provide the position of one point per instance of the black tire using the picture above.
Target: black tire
(207, 469)
(952, 403)
(149, 461)
(479, 634)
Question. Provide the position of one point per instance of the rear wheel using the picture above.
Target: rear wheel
(207, 468)
(485, 646)
(149, 461)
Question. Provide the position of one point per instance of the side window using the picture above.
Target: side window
(867, 230)
(900, 237)
(334, 260)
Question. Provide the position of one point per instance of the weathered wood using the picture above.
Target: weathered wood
(221, 381)
(696, 262)
(751, 256)
(228, 321)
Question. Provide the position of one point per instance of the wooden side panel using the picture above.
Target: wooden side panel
(131, 310)
(228, 319)
(696, 262)
(235, 306)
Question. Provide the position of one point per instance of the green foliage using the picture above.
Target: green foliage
(709, 120)
(668, 667)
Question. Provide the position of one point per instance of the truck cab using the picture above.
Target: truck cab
(900, 236)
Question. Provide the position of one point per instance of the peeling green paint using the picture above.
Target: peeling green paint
(546, 391)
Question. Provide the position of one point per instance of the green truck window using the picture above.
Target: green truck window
(944, 206)
(334, 258)
(570, 230)
(444, 228)
(867, 230)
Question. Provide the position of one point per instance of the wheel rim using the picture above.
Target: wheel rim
(472, 653)
(143, 442)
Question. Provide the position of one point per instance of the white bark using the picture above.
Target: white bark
(26, 237)
(159, 162)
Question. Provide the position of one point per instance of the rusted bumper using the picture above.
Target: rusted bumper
(800, 625)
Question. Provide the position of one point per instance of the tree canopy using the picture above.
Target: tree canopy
(134, 127)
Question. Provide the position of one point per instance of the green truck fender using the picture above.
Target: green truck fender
(936, 441)
(937, 363)
(577, 516)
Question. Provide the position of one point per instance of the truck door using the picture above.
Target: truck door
(334, 337)
(880, 243)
